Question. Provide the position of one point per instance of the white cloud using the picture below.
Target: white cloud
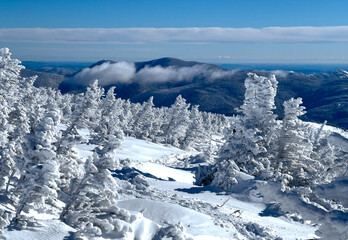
(281, 73)
(107, 73)
(204, 34)
(125, 72)
(224, 57)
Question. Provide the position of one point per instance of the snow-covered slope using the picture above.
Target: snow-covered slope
(168, 197)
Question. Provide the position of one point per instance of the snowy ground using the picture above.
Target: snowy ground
(336, 136)
(167, 195)
(199, 208)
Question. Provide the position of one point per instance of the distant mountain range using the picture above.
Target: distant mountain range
(214, 88)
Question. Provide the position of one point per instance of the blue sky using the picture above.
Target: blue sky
(205, 30)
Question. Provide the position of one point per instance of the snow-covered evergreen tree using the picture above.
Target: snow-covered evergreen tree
(144, 120)
(88, 111)
(126, 117)
(258, 109)
(71, 166)
(249, 147)
(177, 123)
(12, 125)
(196, 135)
(9, 76)
(305, 158)
(6, 163)
(295, 147)
(109, 123)
(38, 186)
(92, 207)
(4, 125)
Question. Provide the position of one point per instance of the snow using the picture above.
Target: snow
(144, 151)
(345, 73)
(144, 228)
(47, 230)
(164, 208)
(196, 224)
(205, 212)
(249, 210)
(166, 173)
(336, 136)
(85, 150)
(330, 129)
(175, 199)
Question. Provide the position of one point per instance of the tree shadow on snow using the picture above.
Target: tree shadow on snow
(189, 169)
(272, 210)
(70, 237)
(129, 173)
(196, 190)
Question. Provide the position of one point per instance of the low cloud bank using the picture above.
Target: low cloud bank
(125, 72)
(107, 73)
(196, 34)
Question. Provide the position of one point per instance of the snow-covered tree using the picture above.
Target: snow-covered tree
(156, 133)
(177, 123)
(258, 109)
(6, 163)
(38, 186)
(305, 158)
(92, 207)
(126, 117)
(4, 125)
(87, 113)
(71, 166)
(12, 125)
(109, 123)
(144, 120)
(9, 76)
(31, 103)
(295, 147)
(196, 135)
(249, 147)
(332, 158)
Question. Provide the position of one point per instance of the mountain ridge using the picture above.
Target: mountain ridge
(325, 95)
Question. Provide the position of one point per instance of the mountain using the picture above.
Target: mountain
(51, 74)
(44, 79)
(330, 101)
(214, 88)
(171, 62)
